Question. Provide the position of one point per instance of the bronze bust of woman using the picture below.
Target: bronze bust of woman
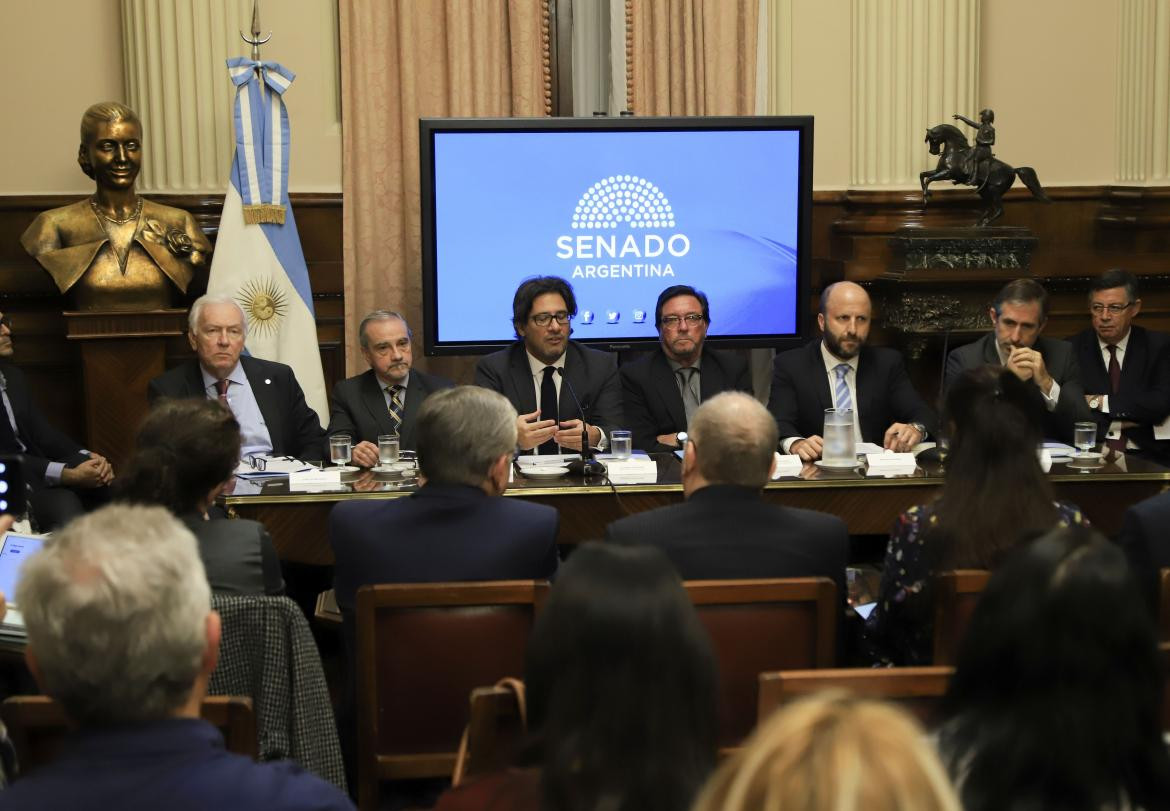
(116, 250)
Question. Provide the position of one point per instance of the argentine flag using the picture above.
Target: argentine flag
(258, 259)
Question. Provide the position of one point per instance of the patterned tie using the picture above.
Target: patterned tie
(1115, 386)
(221, 386)
(690, 397)
(841, 396)
(397, 407)
(548, 406)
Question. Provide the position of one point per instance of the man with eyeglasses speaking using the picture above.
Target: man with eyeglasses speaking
(1125, 368)
(663, 389)
(545, 375)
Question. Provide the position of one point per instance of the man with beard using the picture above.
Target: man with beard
(840, 371)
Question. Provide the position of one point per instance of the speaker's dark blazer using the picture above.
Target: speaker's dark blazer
(43, 442)
(358, 407)
(238, 555)
(651, 399)
(1061, 363)
(1144, 396)
(440, 533)
(592, 374)
(730, 532)
(294, 428)
(885, 395)
(1146, 543)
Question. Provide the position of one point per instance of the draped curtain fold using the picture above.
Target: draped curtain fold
(401, 61)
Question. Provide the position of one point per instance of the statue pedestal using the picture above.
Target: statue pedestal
(992, 248)
(120, 353)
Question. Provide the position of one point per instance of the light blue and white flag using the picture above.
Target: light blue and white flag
(258, 258)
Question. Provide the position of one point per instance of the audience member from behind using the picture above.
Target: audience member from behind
(121, 634)
(1056, 699)
(832, 752)
(186, 453)
(621, 694)
(725, 529)
(994, 497)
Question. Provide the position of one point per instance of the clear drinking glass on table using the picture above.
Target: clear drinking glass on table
(621, 444)
(839, 450)
(339, 449)
(388, 449)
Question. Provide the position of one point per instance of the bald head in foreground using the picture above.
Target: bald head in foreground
(725, 528)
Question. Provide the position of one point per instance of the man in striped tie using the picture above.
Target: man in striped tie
(840, 371)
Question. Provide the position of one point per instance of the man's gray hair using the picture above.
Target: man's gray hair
(116, 607)
(212, 298)
(461, 432)
(380, 315)
(735, 438)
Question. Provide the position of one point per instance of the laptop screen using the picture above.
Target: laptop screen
(16, 548)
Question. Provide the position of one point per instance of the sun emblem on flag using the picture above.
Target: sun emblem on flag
(264, 303)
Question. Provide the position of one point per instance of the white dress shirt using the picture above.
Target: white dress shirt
(254, 436)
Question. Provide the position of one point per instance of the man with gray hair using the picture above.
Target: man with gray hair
(724, 529)
(121, 634)
(384, 399)
(454, 527)
(264, 396)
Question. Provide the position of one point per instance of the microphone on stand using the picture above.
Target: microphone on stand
(587, 465)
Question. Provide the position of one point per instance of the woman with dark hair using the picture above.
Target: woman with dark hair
(186, 452)
(621, 685)
(994, 497)
(1057, 694)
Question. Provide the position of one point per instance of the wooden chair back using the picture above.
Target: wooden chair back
(37, 726)
(956, 594)
(918, 690)
(420, 651)
(763, 625)
(495, 731)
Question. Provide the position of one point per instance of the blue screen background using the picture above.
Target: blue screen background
(503, 199)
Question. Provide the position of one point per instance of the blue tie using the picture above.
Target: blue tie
(842, 398)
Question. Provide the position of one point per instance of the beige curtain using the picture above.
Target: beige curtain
(402, 60)
(691, 57)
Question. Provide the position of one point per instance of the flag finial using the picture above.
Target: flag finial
(255, 41)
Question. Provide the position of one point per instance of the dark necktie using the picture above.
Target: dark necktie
(1114, 386)
(397, 407)
(548, 406)
(221, 386)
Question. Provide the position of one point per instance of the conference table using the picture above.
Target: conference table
(297, 521)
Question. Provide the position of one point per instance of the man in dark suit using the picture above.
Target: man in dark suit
(662, 390)
(63, 479)
(840, 371)
(1018, 315)
(725, 529)
(264, 396)
(1125, 369)
(530, 373)
(1146, 544)
(386, 398)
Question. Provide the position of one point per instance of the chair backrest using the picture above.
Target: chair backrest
(420, 650)
(762, 625)
(495, 730)
(956, 594)
(37, 726)
(1164, 605)
(918, 690)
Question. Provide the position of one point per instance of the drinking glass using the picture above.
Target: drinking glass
(339, 449)
(388, 449)
(839, 450)
(1084, 437)
(621, 444)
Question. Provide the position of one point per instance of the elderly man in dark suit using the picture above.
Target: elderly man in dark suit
(264, 396)
(840, 371)
(530, 373)
(1018, 316)
(725, 529)
(1125, 369)
(385, 399)
(662, 390)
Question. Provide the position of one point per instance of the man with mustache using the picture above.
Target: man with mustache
(385, 399)
(840, 371)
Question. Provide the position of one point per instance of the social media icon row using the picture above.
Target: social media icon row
(612, 316)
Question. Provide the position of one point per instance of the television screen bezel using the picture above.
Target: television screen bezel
(428, 127)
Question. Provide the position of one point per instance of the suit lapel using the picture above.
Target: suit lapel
(990, 352)
(194, 376)
(1133, 370)
(577, 375)
(416, 392)
(375, 401)
(820, 380)
(664, 383)
(521, 378)
(264, 391)
(864, 389)
(1096, 373)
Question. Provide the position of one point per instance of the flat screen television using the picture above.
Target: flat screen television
(622, 208)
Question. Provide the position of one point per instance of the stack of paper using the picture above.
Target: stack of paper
(787, 464)
(637, 469)
(265, 466)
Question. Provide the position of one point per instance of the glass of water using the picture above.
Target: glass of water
(339, 449)
(388, 449)
(839, 450)
(1084, 437)
(621, 444)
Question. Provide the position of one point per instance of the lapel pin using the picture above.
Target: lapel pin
(267, 382)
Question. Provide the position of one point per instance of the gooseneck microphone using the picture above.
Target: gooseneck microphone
(587, 466)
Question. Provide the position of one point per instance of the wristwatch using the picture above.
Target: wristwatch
(920, 428)
(1095, 403)
(681, 438)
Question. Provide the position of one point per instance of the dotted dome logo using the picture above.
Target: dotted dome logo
(623, 199)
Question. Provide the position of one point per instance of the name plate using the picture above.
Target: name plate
(787, 464)
(890, 464)
(314, 477)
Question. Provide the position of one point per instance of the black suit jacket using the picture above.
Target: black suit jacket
(1145, 541)
(359, 407)
(592, 374)
(885, 395)
(238, 555)
(43, 442)
(294, 428)
(729, 532)
(1144, 396)
(652, 402)
(1061, 363)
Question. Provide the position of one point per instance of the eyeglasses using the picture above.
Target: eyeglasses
(542, 319)
(1114, 309)
(672, 321)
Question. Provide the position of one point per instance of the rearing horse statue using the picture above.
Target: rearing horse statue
(992, 184)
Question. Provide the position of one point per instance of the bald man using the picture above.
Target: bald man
(838, 370)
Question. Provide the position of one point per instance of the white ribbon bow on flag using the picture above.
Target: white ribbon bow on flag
(262, 138)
